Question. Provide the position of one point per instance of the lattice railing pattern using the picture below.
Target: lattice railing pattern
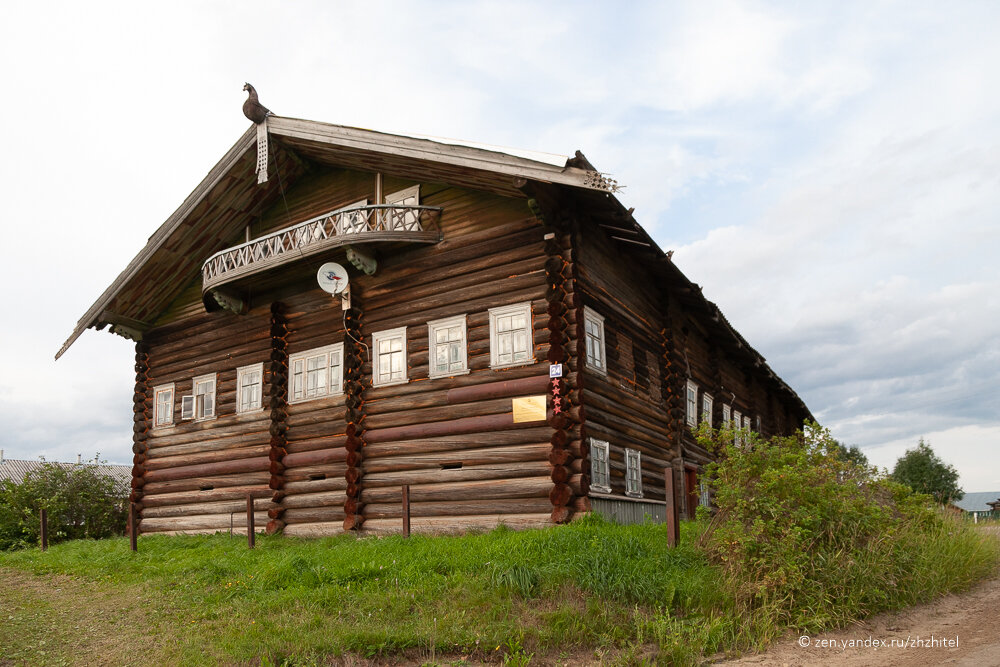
(378, 219)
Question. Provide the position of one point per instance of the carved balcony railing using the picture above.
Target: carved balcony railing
(360, 224)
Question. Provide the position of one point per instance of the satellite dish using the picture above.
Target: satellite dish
(332, 278)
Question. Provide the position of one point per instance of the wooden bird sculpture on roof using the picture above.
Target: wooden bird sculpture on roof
(252, 108)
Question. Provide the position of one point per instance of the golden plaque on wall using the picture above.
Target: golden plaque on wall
(529, 408)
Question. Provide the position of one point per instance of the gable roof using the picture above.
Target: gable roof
(977, 502)
(220, 205)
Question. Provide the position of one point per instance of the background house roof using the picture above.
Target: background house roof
(978, 502)
(16, 469)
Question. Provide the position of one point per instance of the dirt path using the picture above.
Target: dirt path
(55, 619)
(964, 628)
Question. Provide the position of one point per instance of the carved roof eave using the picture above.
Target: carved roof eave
(496, 164)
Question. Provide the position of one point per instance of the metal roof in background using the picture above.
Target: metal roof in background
(977, 502)
(16, 470)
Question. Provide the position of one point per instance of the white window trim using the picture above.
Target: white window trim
(606, 448)
(727, 414)
(448, 323)
(738, 427)
(241, 373)
(503, 311)
(746, 423)
(378, 337)
(156, 405)
(334, 385)
(691, 406)
(707, 404)
(201, 379)
(633, 461)
(401, 195)
(589, 315)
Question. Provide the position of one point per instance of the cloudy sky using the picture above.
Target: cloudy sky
(829, 172)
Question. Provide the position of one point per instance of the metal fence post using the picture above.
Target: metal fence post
(251, 531)
(406, 510)
(133, 537)
(673, 519)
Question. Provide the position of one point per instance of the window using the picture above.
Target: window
(692, 403)
(510, 336)
(316, 373)
(204, 397)
(727, 415)
(633, 473)
(758, 424)
(404, 220)
(737, 424)
(357, 221)
(593, 325)
(447, 347)
(706, 408)
(249, 381)
(600, 476)
(163, 405)
(746, 422)
(389, 357)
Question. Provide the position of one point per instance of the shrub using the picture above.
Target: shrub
(79, 500)
(809, 539)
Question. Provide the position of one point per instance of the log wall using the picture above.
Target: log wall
(322, 466)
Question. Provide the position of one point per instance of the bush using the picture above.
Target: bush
(79, 500)
(808, 539)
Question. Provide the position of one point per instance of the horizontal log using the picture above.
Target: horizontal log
(464, 474)
(320, 499)
(305, 486)
(456, 442)
(208, 469)
(538, 384)
(458, 508)
(318, 529)
(468, 457)
(315, 457)
(316, 472)
(224, 493)
(158, 463)
(452, 427)
(241, 428)
(450, 524)
(524, 487)
(218, 507)
(219, 522)
(218, 481)
(407, 416)
(312, 514)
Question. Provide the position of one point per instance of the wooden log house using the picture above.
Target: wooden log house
(473, 273)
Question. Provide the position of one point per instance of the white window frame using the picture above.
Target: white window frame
(600, 465)
(410, 220)
(168, 419)
(691, 403)
(727, 414)
(507, 311)
(432, 345)
(706, 408)
(352, 223)
(333, 384)
(738, 427)
(241, 383)
(746, 423)
(596, 348)
(385, 336)
(633, 473)
(201, 413)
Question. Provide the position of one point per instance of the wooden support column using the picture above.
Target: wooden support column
(673, 516)
(43, 517)
(133, 528)
(251, 528)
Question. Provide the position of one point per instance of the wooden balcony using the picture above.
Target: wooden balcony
(381, 223)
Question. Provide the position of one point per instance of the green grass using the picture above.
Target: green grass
(500, 593)
(601, 589)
